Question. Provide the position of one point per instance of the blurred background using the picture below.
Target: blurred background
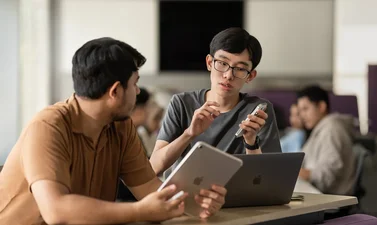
(328, 42)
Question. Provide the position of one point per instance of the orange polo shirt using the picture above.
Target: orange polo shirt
(53, 147)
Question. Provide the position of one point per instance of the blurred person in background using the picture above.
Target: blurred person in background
(147, 116)
(139, 114)
(149, 130)
(329, 162)
(295, 135)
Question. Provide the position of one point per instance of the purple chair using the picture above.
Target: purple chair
(355, 219)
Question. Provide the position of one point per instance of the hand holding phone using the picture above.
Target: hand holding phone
(262, 106)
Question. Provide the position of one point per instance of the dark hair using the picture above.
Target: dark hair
(99, 63)
(236, 40)
(143, 97)
(315, 94)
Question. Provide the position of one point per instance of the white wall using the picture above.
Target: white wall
(78, 21)
(296, 36)
(8, 76)
(355, 48)
(34, 64)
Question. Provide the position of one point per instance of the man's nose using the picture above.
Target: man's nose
(228, 74)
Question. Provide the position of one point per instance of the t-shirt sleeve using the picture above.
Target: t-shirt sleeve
(135, 169)
(269, 134)
(171, 127)
(44, 154)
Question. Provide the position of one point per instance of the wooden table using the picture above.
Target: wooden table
(296, 212)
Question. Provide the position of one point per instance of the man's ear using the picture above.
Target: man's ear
(114, 90)
(252, 75)
(209, 60)
(323, 107)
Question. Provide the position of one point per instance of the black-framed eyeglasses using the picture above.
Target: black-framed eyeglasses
(238, 72)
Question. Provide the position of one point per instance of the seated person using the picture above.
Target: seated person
(214, 115)
(329, 163)
(142, 115)
(148, 131)
(139, 113)
(295, 135)
(65, 166)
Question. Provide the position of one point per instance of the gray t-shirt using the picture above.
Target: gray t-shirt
(221, 132)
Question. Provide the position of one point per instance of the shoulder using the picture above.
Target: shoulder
(297, 133)
(335, 127)
(54, 117)
(187, 101)
(336, 121)
(189, 96)
(252, 101)
(49, 128)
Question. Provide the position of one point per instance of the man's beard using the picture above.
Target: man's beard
(120, 118)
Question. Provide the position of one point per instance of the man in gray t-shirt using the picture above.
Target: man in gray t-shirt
(221, 132)
(214, 115)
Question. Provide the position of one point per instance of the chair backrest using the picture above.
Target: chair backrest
(361, 153)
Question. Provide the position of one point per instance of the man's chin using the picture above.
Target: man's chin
(224, 93)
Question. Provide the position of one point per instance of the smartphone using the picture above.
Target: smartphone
(297, 198)
(261, 106)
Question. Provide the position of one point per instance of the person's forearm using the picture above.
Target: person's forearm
(163, 158)
(77, 209)
(304, 174)
(325, 176)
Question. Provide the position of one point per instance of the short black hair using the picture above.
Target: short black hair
(101, 62)
(143, 97)
(315, 94)
(235, 40)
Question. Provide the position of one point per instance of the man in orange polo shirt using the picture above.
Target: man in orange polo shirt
(65, 166)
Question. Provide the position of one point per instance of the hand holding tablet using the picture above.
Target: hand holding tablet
(201, 168)
(176, 196)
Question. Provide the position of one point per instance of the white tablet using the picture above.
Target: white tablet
(203, 166)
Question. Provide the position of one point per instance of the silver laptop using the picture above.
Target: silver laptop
(264, 179)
